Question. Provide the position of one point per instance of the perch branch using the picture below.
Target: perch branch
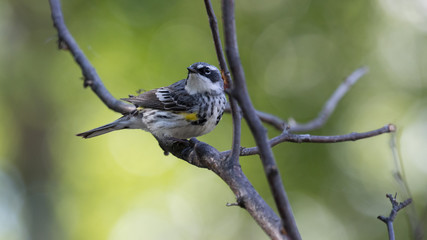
(203, 155)
(395, 207)
(240, 92)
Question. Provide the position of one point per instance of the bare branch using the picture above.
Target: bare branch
(330, 105)
(91, 78)
(307, 138)
(234, 106)
(396, 207)
(240, 92)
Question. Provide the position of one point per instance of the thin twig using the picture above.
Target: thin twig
(213, 23)
(330, 105)
(91, 78)
(240, 92)
(234, 106)
(307, 138)
(396, 207)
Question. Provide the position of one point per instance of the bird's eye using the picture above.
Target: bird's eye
(207, 71)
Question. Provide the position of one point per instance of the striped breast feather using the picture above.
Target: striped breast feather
(172, 98)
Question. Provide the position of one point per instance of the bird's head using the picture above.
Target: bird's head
(203, 78)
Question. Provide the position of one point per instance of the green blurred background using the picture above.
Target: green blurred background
(54, 185)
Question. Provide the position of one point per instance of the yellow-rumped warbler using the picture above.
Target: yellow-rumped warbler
(189, 108)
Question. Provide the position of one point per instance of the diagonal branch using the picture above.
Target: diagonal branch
(91, 78)
(205, 156)
(240, 92)
(330, 105)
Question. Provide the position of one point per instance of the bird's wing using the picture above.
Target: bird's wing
(171, 98)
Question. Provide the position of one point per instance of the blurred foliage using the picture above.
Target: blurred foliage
(295, 53)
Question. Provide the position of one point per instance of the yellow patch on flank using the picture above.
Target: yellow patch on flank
(190, 116)
(139, 108)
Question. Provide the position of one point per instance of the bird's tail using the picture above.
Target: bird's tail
(121, 123)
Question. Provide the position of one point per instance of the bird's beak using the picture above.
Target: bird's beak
(191, 70)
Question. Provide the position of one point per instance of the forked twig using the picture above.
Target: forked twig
(395, 207)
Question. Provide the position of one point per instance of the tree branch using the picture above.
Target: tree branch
(234, 106)
(396, 207)
(307, 138)
(91, 78)
(330, 105)
(240, 92)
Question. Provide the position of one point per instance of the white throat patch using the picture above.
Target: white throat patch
(197, 83)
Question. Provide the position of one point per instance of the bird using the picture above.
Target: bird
(185, 109)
